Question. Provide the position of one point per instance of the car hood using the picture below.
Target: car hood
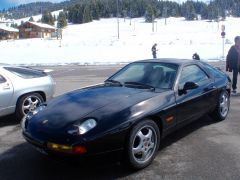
(79, 104)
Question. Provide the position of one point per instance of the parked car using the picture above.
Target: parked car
(23, 89)
(131, 112)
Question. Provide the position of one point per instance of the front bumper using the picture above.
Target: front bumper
(38, 145)
(47, 142)
(49, 147)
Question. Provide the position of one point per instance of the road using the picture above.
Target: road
(204, 149)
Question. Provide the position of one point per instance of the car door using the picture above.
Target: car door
(193, 103)
(6, 93)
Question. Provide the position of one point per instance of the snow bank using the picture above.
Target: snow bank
(97, 42)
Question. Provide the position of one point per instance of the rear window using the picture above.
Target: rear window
(26, 73)
(216, 72)
(2, 79)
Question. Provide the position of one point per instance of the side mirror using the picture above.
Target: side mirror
(189, 86)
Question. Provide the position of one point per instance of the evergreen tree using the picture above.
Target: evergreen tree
(80, 11)
(212, 12)
(62, 20)
(87, 16)
(47, 18)
(54, 18)
(31, 19)
(149, 16)
(188, 10)
(95, 10)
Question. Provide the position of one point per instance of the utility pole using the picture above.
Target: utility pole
(165, 14)
(118, 17)
(152, 23)
(130, 13)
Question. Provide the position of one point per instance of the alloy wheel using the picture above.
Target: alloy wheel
(224, 104)
(144, 144)
(30, 104)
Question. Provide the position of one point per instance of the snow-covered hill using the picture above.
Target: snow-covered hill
(37, 17)
(97, 42)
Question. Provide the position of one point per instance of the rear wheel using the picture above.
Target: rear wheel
(222, 108)
(28, 103)
(143, 144)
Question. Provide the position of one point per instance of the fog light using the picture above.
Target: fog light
(67, 149)
(59, 148)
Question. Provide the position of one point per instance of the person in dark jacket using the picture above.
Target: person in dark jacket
(196, 56)
(233, 62)
(154, 51)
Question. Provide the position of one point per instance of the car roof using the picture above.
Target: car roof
(12, 66)
(3, 65)
(170, 60)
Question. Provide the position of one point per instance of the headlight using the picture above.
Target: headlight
(83, 127)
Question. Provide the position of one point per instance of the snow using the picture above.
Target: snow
(6, 28)
(42, 25)
(37, 17)
(97, 42)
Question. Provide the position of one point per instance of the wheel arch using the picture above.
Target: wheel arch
(41, 93)
(154, 118)
(158, 121)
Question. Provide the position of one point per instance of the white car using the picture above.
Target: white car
(23, 89)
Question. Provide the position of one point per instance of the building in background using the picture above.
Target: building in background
(8, 33)
(36, 30)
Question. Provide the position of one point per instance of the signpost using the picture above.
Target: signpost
(223, 34)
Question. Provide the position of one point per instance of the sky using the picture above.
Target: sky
(10, 3)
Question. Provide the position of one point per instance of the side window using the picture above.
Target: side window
(2, 79)
(192, 73)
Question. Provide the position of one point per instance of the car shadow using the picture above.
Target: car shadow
(8, 120)
(23, 161)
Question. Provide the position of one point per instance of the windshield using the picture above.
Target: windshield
(157, 75)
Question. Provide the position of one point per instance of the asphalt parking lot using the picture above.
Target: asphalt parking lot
(204, 149)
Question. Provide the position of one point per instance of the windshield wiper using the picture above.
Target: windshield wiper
(113, 82)
(145, 86)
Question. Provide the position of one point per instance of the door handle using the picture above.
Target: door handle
(209, 88)
(6, 87)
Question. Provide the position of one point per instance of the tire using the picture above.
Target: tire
(221, 111)
(143, 144)
(27, 103)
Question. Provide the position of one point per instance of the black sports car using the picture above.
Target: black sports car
(131, 111)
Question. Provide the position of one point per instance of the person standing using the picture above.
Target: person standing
(195, 56)
(233, 62)
(154, 51)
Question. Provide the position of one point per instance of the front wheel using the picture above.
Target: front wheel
(28, 103)
(143, 144)
(222, 108)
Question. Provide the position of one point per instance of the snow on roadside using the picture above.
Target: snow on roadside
(97, 42)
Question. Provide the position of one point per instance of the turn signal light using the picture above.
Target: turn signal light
(79, 149)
